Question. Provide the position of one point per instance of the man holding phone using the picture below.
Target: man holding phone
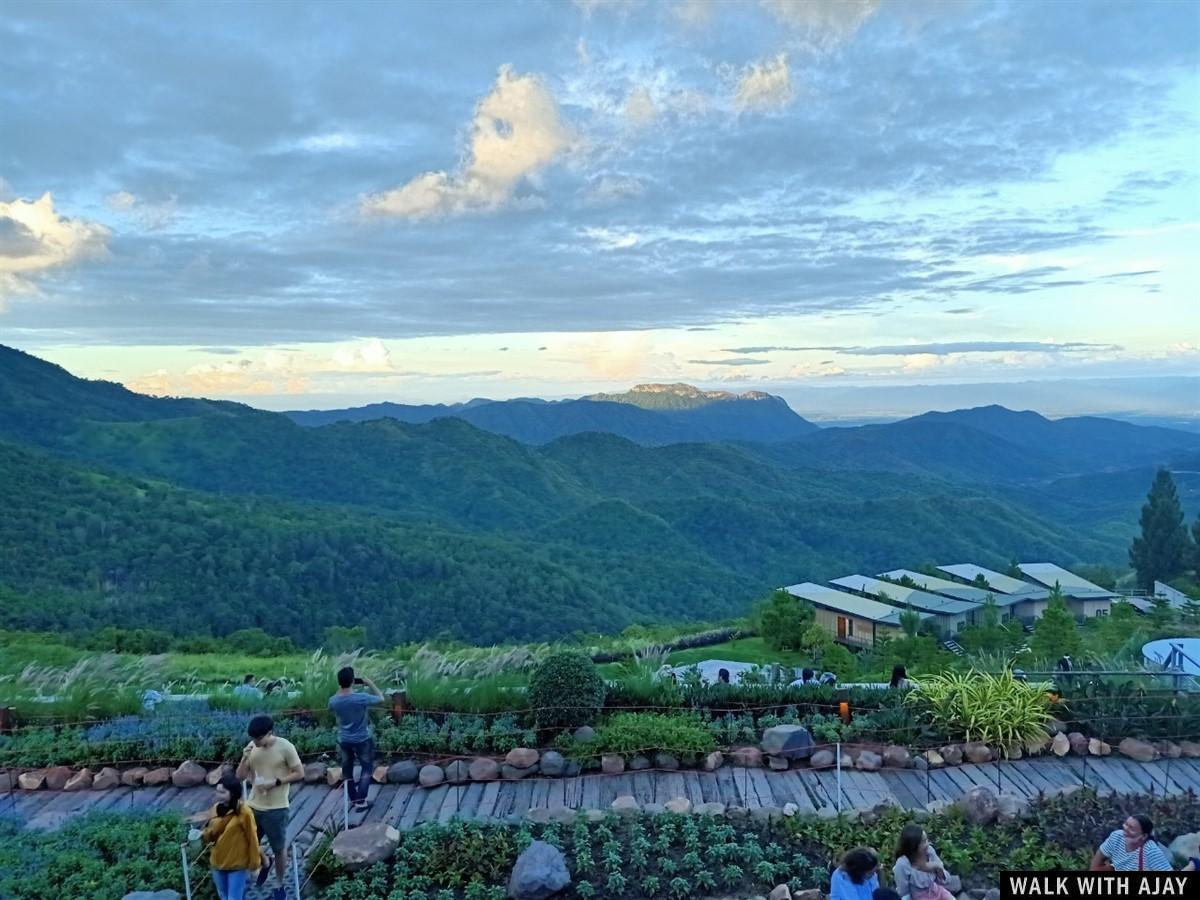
(273, 765)
(354, 732)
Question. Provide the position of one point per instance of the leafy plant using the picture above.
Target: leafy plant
(565, 691)
(976, 706)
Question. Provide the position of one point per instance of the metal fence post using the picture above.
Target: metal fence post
(296, 869)
(839, 776)
(187, 875)
(346, 802)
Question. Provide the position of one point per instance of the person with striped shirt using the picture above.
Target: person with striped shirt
(1132, 848)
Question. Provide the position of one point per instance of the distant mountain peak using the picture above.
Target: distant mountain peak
(676, 396)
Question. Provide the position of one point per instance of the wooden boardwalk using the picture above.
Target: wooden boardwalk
(813, 791)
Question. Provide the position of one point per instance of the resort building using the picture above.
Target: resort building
(1027, 601)
(1085, 599)
(950, 616)
(849, 618)
(946, 588)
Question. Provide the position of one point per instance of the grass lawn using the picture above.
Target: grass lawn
(748, 650)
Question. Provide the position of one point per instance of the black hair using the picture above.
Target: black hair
(909, 842)
(885, 893)
(233, 784)
(859, 863)
(899, 673)
(1144, 823)
(345, 676)
(723, 676)
(806, 675)
(249, 678)
(260, 726)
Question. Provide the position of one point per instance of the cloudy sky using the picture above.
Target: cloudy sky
(319, 204)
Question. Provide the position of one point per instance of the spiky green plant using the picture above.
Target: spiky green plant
(998, 710)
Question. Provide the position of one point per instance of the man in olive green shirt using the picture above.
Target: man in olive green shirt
(275, 765)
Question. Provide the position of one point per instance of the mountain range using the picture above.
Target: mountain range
(148, 509)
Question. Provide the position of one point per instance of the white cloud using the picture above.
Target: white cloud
(35, 238)
(764, 85)
(516, 133)
(611, 189)
(822, 24)
(150, 216)
(121, 201)
(639, 107)
(613, 238)
(693, 13)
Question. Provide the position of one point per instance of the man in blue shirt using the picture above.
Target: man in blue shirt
(354, 733)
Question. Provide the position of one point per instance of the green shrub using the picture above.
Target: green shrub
(566, 691)
(977, 706)
(628, 734)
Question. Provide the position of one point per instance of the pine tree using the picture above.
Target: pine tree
(1055, 633)
(1161, 552)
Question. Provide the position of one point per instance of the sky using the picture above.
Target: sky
(318, 204)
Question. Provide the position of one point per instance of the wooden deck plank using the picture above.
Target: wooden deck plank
(761, 787)
(451, 803)
(433, 804)
(814, 788)
(797, 791)
(540, 797)
(487, 801)
(691, 785)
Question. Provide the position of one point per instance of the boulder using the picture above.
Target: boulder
(134, 777)
(431, 776)
(714, 761)
(522, 758)
(1190, 749)
(538, 815)
(483, 769)
(32, 781)
(553, 764)
(314, 773)
(106, 779)
(780, 892)
(978, 752)
(612, 764)
(370, 843)
(572, 768)
(777, 763)
(1079, 743)
(827, 812)
(512, 773)
(1185, 847)
(540, 872)
(809, 894)
(593, 816)
(653, 809)
(1168, 749)
(750, 757)
(666, 762)
(951, 754)
(822, 759)
(738, 813)
(788, 742)
(333, 776)
(563, 815)
(638, 763)
(189, 774)
(937, 807)
(979, 806)
(585, 734)
(80, 781)
(214, 776)
(458, 771)
(157, 777)
(1139, 750)
(712, 808)
(1061, 745)
(1010, 807)
(404, 772)
(1097, 747)
(625, 805)
(681, 806)
(379, 774)
(57, 777)
(920, 763)
(152, 895)
(868, 761)
(766, 814)
(897, 757)
(1014, 751)
(790, 809)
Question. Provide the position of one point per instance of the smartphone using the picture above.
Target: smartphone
(359, 681)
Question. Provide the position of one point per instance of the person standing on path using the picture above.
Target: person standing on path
(234, 839)
(273, 764)
(351, 707)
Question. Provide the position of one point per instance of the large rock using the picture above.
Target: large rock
(189, 774)
(978, 752)
(951, 754)
(1185, 847)
(712, 808)
(563, 815)
(790, 810)
(80, 781)
(57, 777)
(1010, 807)
(32, 781)
(552, 764)
(585, 734)
(404, 772)
(522, 758)
(809, 894)
(540, 872)
(750, 757)
(512, 773)
(314, 773)
(714, 761)
(868, 761)
(625, 805)
(1079, 743)
(214, 776)
(612, 764)
(780, 892)
(152, 895)
(979, 806)
(538, 815)
(358, 848)
(1139, 750)
(134, 777)
(1190, 749)
(777, 763)
(431, 776)
(897, 757)
(483, 769)
(638, 763)
(333, 776)
(1169, 749)
(106, 779)
(1061, 745)
(1097, 747)
(681, 806)
(157, 777)
(822, 759)
(788, 742)
(458, 771)
(666, 762)
(379, 774)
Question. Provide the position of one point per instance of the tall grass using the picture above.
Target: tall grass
(480, 682)
(98, 686)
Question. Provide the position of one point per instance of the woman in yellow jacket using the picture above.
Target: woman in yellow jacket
(234, 838)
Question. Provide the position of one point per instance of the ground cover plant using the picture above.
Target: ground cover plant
(676, 857)
(101, 856)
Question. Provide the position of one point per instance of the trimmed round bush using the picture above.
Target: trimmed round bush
(566, 691)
